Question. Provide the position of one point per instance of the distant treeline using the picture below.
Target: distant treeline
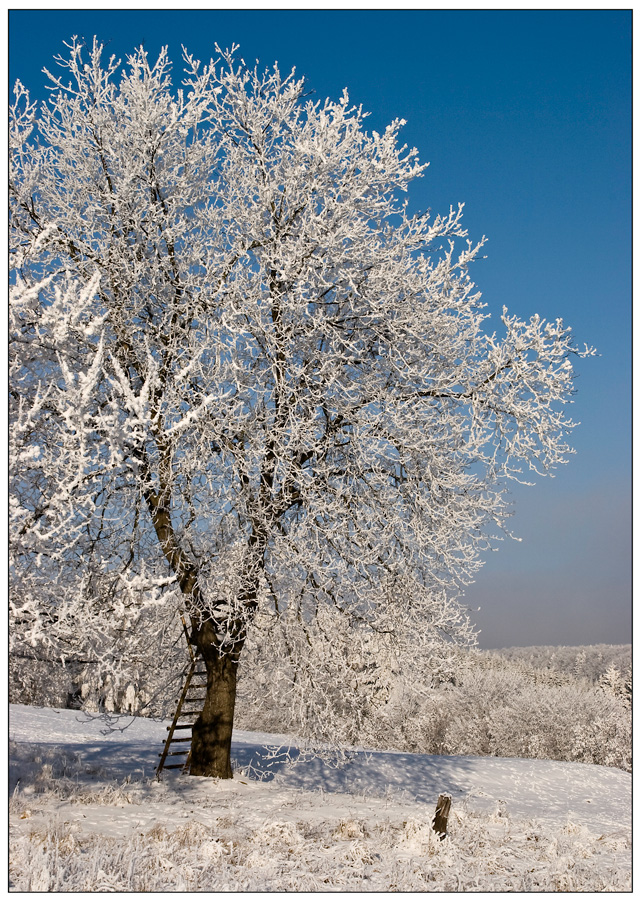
(590, 661)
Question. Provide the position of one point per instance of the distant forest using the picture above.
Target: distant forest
(586, 662)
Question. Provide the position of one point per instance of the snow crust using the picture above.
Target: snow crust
(300, 823)
(86, 813)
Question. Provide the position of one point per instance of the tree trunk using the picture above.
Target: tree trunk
(211, 741)
(211, 732)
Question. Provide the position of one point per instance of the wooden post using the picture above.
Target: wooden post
(442, 814)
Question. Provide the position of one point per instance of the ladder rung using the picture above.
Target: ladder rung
(194, 694)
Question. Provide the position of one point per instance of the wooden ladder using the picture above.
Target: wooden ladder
(189, 707)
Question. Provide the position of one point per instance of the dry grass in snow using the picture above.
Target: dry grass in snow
(80, 822)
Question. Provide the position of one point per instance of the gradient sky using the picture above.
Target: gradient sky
(525, 116)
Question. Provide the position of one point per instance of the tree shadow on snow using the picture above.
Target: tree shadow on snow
(408, 775)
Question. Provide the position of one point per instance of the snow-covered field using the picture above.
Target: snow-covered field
(87, 814)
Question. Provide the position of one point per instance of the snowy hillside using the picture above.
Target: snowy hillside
(87, 814)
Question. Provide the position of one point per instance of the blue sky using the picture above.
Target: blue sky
(525, 116)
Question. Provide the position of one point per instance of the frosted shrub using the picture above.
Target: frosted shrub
(500, 713)
(494, 708)
(605, 739)
(38, 682)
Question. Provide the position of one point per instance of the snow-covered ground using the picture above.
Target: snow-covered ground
(88, 814)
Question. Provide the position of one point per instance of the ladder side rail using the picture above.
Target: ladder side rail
(185, 628)
(174, 723)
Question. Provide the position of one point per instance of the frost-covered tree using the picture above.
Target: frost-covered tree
(246, 381)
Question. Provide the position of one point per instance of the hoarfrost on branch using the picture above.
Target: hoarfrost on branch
(245, 379)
